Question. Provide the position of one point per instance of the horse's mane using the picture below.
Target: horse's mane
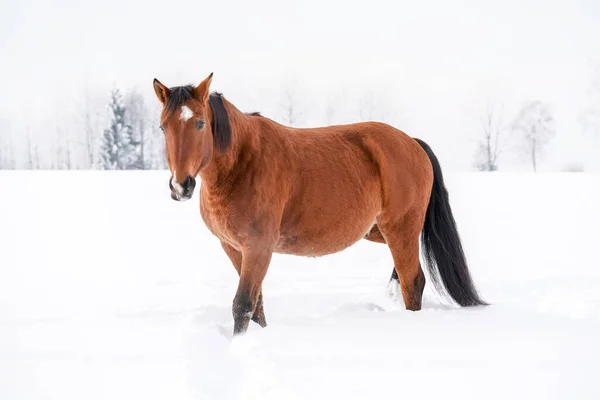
(220, 123)
(220, 126)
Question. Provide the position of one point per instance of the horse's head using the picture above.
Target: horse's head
(185, 121)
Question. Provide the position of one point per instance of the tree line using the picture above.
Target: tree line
(122, 135)
(127, 136)
(530, 130)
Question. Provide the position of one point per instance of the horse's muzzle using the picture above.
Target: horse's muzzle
(182, 191)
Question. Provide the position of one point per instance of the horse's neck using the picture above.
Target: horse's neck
(224, 164)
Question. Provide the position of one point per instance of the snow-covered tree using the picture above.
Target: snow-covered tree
(535, 125)
(119, 150)
(108, 146)
(108, 150)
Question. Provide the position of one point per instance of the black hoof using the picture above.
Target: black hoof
(260, 320)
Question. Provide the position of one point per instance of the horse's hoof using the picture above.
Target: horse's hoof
(260, 321)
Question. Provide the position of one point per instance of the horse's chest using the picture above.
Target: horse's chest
(221, 222)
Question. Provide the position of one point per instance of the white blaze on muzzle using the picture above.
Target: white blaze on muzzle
(177, 186)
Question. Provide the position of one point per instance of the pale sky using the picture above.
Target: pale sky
(432, 64)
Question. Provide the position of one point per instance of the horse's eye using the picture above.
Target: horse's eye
(161, 128)
(199, 124)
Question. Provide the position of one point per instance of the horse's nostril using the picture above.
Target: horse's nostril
(189, 183)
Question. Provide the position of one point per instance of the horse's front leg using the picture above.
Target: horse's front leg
(255, 262)
(236, 259)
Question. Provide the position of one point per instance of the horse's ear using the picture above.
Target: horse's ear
(162, 92)
(203, 89)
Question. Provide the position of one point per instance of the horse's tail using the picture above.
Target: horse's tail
(442, 248)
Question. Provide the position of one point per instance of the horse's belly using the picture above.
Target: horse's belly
(325, 240)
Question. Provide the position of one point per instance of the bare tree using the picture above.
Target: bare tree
(489, 147)
(373, 106)
(137, 116)
(290, 106)
(67, 145)
(329, 112)
(5, 148)
(336, 106)
(90, 137)
(59, 155)
(36, 156)
(590, 117)
(293, 110)
(10, 161)
(7, 154)
(29, 148)
(535, 124)
(156, 144)
(63, 151)
(3, 154)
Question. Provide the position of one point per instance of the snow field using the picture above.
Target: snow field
(111, 290)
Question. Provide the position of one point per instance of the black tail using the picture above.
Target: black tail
(442, 248)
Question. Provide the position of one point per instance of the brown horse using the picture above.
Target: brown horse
(271, 188)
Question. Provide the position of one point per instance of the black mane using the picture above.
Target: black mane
(220, 122)
(221, 129)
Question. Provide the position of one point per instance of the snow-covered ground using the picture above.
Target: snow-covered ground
(111, 290)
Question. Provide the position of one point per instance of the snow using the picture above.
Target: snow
(111, 290)
(186, 113)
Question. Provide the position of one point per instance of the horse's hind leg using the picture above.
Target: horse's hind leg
(259, 312)
(236, 259)
(402, 237)
(376, 236)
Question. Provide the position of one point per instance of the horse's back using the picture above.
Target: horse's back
(396, 158)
